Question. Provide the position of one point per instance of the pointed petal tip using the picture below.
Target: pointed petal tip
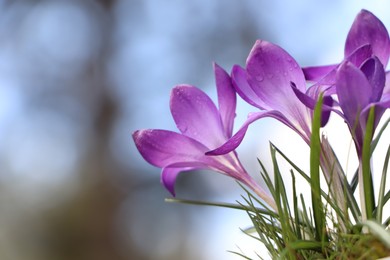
(179, 88)
(368, 29)
(137, 135)
(216, 66)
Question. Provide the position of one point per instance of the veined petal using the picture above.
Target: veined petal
(196, 116)
(368, 29)
(270, 71)
(375, 73)
(162, 148)
(169, 175)
(226, 99)
(353, 91)
(318, 72)
(243, 88)
(236, 139)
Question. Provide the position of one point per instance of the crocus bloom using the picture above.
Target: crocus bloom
(203, 127)
(366, 53)
(367, 37)
(274, 83)
(358, 89)
(266, 83)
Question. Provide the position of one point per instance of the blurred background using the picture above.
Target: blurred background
(78, 77)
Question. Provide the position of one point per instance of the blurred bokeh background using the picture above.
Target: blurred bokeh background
(78, 77)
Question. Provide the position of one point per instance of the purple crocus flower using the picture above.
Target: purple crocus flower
(358, 89)
(274, 83)
(266, 83)
(203, 127)
(366, 54)
(367, 37)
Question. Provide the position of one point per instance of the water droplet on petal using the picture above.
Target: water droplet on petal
(259, 78)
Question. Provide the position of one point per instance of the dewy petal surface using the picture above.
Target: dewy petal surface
(270, 71)
(226, 99)
(243, 88)
(196, 116)
(162, 147)
(368, 29)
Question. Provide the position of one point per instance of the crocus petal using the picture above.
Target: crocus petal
(360, 55)
(236, 139)
(226, 99)
(385, 101)
(375, 73)
(162, 148)
(169, 175)
(353, 91)
(317, 73)
(325, 76)
(196, 116)
(270, 71)
(243, 88)
(368, 29)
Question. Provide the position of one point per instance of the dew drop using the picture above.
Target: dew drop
(259, 78)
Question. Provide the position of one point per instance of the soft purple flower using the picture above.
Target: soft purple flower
(203, 127)
(266, 83)
(367, 37)
(359, 89)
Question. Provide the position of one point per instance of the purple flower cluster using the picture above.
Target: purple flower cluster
(274, 83)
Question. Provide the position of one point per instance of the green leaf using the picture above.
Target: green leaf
(355, 179)
(352, 202)
(367, 189)
(315, 150)
(220, 204)
(381, 195)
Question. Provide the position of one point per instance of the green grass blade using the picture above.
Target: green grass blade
(315, 150)
(382, 185)
(298, 230)
(374, 144)
(220, 204)
(351, 200)
(367, 189)
(354, 181)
